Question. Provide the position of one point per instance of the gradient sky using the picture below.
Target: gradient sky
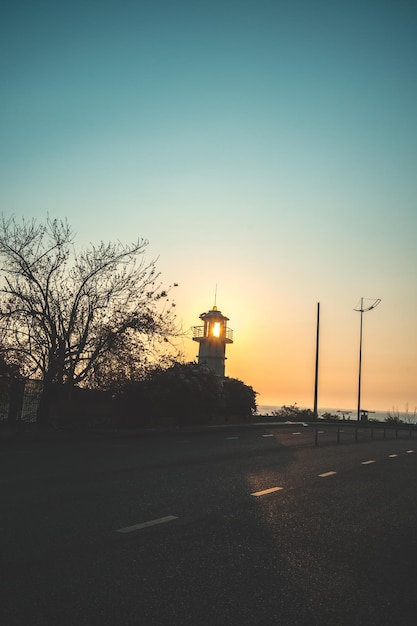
(266, 147)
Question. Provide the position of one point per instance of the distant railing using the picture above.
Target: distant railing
(310, 433)
(360, 433)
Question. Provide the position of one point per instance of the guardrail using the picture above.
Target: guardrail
(357, 433)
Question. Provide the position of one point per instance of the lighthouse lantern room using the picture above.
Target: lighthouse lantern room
(213, 337)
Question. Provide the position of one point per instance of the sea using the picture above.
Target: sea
(347, 414)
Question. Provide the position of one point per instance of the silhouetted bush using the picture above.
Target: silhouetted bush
(331, 417)
(393, 419)
(184, 394)
(81, 407)
(236, 399)
(293, 412)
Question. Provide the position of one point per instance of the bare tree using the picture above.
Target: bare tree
(128, 360)
(63, 312)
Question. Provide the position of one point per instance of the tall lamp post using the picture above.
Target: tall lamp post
(363, 310)
(316, 377)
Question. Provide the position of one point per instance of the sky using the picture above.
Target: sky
(268, 148)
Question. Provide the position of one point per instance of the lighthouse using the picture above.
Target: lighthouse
(213, 337)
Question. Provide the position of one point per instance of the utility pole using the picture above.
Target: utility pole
(316, 378)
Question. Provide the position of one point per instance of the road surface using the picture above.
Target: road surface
(231, 526)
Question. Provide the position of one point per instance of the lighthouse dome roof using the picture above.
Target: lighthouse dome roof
(213, 313)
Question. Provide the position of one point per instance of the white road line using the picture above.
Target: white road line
(267, 435)
(321, 432)
(327, 474)
(230, 438)
(409, 451)
(153, 522)
(392, 456)
(265, 491)
(296, 433)
(367, 462)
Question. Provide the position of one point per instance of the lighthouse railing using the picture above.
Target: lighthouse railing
(229, 334)
(199, 332)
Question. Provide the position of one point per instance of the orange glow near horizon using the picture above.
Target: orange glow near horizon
(274, 352)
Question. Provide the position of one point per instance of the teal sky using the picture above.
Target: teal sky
(267, 147)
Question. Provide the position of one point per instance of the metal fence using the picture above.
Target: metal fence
(4, 398)
(340, 434)
(19, 399)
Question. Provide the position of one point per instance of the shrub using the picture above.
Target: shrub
(184, 394)
(293, 412)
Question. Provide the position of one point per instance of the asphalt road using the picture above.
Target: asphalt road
(232, 526)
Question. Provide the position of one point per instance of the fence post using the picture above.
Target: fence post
(16, 391)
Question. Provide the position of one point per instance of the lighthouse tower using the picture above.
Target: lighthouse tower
(213, 337)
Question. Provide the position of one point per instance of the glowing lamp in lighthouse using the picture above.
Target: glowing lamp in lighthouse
(213, 337)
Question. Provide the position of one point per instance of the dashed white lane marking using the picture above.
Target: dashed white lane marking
(153, 522)
(265, 491)
(367, 462)
(230, 438)
(267, 435)
(296, 433)
(409, 451)
(392, 456)
(327, 474)
(321, 432)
